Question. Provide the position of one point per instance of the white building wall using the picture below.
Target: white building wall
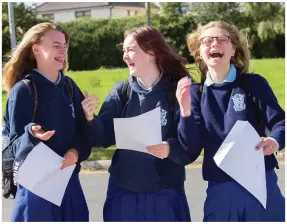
(64, 16)
(100, 13)
(116, 13)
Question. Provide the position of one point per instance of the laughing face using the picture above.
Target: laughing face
(216, 48)
(135, 58)
(52, 51)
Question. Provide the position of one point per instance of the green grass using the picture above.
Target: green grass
(101, 82)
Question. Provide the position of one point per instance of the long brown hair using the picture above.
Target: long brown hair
(150, 39)
(241, 58)
(23, 59)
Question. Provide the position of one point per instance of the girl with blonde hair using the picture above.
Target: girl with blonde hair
(47, 109)
(229, 93)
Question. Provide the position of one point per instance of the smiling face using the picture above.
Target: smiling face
(216, 48)
(52, 51)
(135, 58)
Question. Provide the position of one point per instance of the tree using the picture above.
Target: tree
(175, 24)
(265, 22)
(266, 18)
(173, 9)
(25, 18)
(205, 12)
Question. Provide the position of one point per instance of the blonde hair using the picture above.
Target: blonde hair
(23, 59)
(239, 41)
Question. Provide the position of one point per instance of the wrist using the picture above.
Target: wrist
(185, 112)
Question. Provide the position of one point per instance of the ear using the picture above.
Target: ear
(233, 52)
(35, 49)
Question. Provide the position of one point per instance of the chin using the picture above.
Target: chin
(59, 67)
(133, 73)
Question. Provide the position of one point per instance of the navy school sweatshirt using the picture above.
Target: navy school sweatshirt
(137, 171)
(215, 111)
(56, 110)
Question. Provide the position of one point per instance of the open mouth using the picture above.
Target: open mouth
(60, 60)
(131, 65)
(216, 54)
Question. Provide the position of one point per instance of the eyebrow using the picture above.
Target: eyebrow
(55, 42)
(129, 46)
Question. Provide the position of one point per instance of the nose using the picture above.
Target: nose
(125, 56)
(215, 42)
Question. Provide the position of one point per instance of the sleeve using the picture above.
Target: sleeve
(177, 154)
(191, 128)
(272, 115)
(18, 114)
(83, 147)
(102, 125)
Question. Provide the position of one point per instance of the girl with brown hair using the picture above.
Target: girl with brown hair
(144, 187)
(52, 114)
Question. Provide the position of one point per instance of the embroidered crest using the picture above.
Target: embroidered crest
(73, 110)
(163, 117)
(238, 100)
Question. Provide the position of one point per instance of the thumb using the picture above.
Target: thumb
(36, 127)
(86, 94)
(261, 144)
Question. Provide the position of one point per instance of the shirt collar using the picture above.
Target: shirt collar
(156, 82)
(229, 78)
(59, 76)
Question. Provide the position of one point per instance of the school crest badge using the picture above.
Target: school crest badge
(163, 117)
(73, 110)
(238, 100)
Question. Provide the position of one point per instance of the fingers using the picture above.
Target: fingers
(261, 144)
(86, 94)
(161, 150)
(268, 146)
(71, 157)
(46, 136)
(41, 134)
(90, 102)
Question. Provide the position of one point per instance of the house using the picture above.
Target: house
(68, 11)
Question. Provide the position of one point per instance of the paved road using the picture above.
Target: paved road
(95, 186)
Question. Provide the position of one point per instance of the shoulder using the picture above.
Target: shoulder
(196, 90)
(20, 89)
(120, 87)
(255, 79)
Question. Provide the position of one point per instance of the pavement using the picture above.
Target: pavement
(94, 185)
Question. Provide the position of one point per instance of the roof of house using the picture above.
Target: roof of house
(57, 6)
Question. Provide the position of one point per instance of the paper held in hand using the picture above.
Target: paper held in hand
(136, 133)
(41, 174)
(238, 158)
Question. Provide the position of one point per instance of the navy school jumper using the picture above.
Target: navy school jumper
(55, 111)
(141, 186)
(215, 110)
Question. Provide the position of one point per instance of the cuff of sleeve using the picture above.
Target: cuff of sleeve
(31, 135)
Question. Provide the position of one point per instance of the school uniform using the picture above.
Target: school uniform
(215, 109)
(56, 110)
(141, 186)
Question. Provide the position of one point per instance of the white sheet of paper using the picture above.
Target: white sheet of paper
(40, 173)
(136, 133)
(238, 158)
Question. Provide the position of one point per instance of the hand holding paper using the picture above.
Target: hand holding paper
(238, 158)
(41, 174)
